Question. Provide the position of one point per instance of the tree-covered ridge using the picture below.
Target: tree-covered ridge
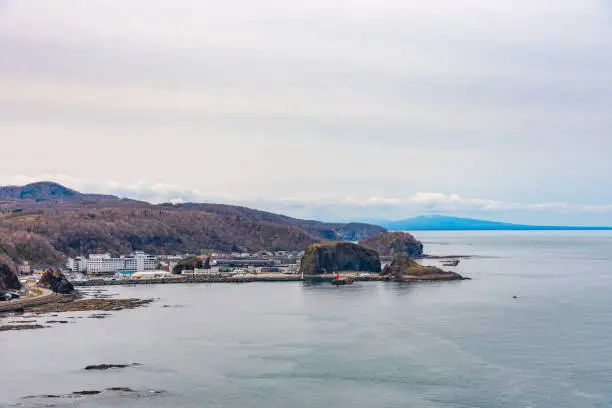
(46, 230)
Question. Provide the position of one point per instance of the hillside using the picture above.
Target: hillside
(48, 191)
(445, 223)
(54, 221)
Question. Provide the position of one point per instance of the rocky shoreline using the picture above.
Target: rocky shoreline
(89, 305)
(197, 279)
(358, 278)
(28, 318)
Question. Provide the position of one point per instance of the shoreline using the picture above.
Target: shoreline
(49, 299)
(45, 297)
(164, 281)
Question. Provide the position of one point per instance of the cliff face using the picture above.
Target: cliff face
(55, 280)
(404, 266)
(8, 277)
(330, 257)
(391, 243)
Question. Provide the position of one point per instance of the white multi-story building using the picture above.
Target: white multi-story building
(78, 264)
(105, 263)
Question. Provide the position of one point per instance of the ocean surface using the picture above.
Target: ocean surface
(372, 344)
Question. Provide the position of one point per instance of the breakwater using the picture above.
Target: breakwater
(209, 279)
(156, 281)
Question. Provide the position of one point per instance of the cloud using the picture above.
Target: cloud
(348, 208)
(141, 190)
(324, 108)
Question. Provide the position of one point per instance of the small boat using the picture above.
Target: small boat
(452, 262)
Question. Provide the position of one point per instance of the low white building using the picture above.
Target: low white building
(151, 275)
(207, 272)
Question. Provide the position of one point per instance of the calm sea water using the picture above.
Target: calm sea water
(453, 344)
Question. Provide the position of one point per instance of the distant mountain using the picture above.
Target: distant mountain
(445, 223)
(48, 191)
(43, 222)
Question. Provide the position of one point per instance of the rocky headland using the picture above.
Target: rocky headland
(55, 280)
(405, 268)
(392, 243)
(332, 257)
(8, 277)
(189, 264)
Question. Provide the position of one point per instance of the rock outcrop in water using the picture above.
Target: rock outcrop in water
(391, 243)
(8, 277)
(55, 280)
(331, 257)
(404, 267)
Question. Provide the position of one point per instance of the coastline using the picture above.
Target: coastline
(53, 302)
(45, 297)
(207, 279)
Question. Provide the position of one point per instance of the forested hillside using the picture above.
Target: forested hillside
(54, 222)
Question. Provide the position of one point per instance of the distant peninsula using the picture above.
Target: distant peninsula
(446, 223)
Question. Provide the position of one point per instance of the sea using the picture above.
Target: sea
(532, 328)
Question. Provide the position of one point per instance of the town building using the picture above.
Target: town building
(245, 262)
(24, 268)
(77, 265)
(213, 272)
(105, 263)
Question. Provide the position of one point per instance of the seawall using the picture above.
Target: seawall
(207, 279)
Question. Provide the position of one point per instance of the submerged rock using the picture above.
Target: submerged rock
(109, 366)
(120, 389)
(10, 327)
(392, 243)
(330, 257)
(42, 396)
(92, 392)
(99, 316)
(69, 304)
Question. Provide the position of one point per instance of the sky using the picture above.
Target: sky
(327, 109)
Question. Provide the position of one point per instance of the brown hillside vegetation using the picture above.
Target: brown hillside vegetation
(23, 245)
(42, 229)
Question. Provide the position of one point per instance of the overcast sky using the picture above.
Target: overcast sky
(334, 109)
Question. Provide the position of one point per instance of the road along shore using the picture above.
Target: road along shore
(47, 296)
